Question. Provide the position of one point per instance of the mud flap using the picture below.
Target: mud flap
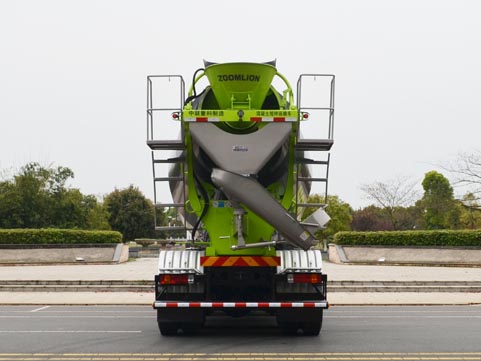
(180, 315)
(293, 321)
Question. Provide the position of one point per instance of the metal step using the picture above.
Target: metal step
(169, 205)
(165, 179)
(172, 228)
(166, 144)
(311, 161)
(311, 205)
(314, 144)
(310, 179)
(169, 160)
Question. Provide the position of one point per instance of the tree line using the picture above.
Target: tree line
(38, 197)
(397, 205)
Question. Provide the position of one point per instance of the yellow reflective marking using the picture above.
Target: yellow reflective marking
(271, 261)
(230, 261)
(210, 261)
(250, 261)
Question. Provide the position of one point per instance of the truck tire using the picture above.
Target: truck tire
(172, 329)
(190, 328)
(311, 328)
(180, 321)
(168, 328)
(290, 328)
(304, 328)
(310, 324)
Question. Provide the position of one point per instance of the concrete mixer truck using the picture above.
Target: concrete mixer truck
(240, 174)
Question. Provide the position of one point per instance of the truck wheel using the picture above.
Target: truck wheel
(308, 328)
(289, 328)
(309, 323)
(168, 328)
(190, 328)
(311, 328)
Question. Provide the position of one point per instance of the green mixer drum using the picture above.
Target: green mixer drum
(238, 81)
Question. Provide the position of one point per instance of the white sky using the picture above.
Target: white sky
(73, 79)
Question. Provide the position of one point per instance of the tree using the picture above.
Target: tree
(130, 213)
(467, 171)
(471, 212)
(38, 197)
(373, 218)
(370, 218)
(10, 211)
(29, 199)
(392, 196)
(440, 209)
(97, 217)
(338, 210)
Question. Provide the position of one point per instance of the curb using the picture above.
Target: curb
(337, 254)
(144, 286)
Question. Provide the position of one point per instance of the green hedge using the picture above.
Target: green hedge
(57, 236)
(410, 238)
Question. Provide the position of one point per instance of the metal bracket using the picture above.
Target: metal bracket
(256, 245)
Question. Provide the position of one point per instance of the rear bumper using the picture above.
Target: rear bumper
(249, 305)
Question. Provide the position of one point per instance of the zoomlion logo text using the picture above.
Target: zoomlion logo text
(238, 77)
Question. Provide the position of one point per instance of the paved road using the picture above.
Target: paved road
(130, 333)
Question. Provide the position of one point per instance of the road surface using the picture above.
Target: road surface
(123, 333)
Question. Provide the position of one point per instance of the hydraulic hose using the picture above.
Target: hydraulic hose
(204, 195)
(194, 95)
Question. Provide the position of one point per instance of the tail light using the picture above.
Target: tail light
(313, 278)
(176, 279)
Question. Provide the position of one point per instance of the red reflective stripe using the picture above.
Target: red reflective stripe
(240, 261)
(279, 119)
(201, 119)
(220, 261)
(196, 304)
(261, 261)
(256, 119)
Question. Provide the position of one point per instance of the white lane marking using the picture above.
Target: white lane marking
(67, 331)
(150, 311)
(337, 310)
(326, 316)
(79, 316)
(332, 310)
(40, 309)
(407, 316)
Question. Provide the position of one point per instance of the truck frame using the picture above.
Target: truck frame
(240, 177)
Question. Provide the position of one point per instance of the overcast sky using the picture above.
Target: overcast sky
(73, 79)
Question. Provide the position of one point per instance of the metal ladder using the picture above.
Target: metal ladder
(318, 145)
(160, 147)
